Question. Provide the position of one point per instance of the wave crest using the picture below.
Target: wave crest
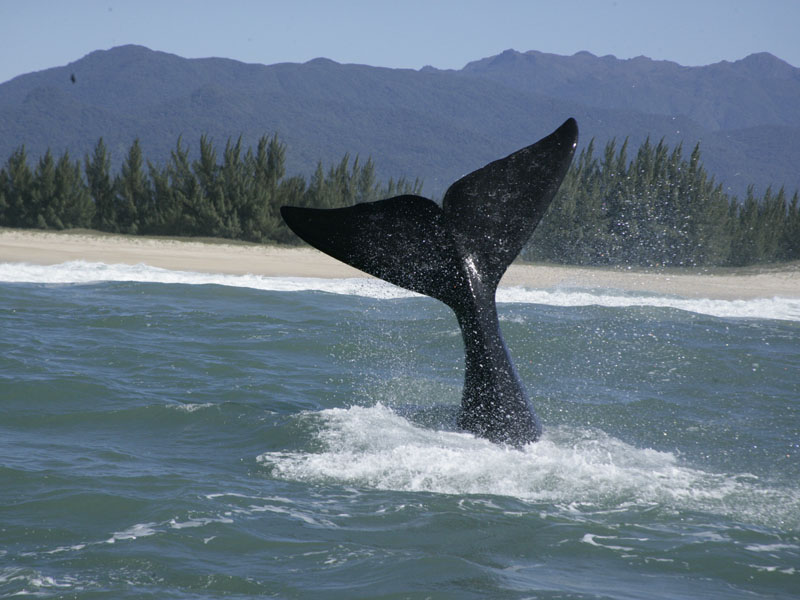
(81, 272)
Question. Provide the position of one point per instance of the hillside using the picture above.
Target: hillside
(431, 124)
(758, 90)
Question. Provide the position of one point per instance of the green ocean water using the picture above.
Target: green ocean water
(174, 435)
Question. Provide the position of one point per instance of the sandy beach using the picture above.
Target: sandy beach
(212, 256)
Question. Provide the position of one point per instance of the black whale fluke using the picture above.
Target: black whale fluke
(457, 253)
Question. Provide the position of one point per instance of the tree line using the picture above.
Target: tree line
(656, 209)
(236, 195)
(661, 209)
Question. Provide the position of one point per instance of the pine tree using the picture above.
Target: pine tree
(75, 206)
(101, 188)
(185, 192)
(211, 206)
(166, 217)
(317, 193)
(233, 198)
(772, 221)
(132, 191)
(619, 196)
(790, 244)
(339, 185)
(3, 201)
(43, 211)
(744, 247)
(367, 187)
(267, 168)
(18, 191)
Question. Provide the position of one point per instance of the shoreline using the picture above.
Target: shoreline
(240, 258)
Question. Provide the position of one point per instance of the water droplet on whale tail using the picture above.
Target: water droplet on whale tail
(458, 252)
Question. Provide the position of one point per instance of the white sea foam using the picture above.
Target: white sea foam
(591, 539)
(92, 272)
(190, 408)
(197, 522)
(577, 469)
(34, 583)
(771, 547)
(757, 308)
(139, 530)
(80, 272)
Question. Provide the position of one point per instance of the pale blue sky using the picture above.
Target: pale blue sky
(37, 34)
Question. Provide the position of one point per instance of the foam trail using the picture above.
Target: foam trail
(81, 272)
(574, 468)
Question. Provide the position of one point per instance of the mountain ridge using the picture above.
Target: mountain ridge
(435, 124)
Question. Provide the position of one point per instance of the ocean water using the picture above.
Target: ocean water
(177, 435)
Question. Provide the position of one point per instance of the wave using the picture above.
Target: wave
(575, 470)
(81, 272)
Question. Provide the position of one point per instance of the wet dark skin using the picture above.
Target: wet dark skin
(457, 253)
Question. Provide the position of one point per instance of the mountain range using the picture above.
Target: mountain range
(428, 123)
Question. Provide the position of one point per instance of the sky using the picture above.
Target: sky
(447, 34)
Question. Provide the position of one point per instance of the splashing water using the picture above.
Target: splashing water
(374, 447)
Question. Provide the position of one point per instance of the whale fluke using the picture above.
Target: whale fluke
(457, 253)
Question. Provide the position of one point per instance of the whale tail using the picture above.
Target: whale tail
(457, 253)
(485, 219)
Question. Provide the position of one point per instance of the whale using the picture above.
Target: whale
(457, 253)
